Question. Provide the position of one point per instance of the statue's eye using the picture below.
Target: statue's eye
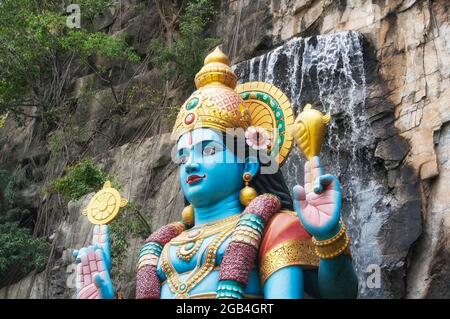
(183, 157)
(209, 150)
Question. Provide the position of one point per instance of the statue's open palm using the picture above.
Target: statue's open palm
(93, 266)
(318, 206)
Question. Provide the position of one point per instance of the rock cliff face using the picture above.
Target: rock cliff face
(406, 107)
(329, 71)
(384, 84)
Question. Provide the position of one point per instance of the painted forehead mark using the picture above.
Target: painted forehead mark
(190, 138)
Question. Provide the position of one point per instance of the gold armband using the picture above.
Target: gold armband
(293, 252)
(248, 235)
(147, 260)
(333, 247)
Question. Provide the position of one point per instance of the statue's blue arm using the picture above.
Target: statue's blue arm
(319, 209)
(335, 278)
(286, 283)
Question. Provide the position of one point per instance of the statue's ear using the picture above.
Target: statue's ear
(251, 165)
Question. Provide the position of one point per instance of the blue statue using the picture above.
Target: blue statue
(242, 235)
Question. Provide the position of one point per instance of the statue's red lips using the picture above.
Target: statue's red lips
(194, 178)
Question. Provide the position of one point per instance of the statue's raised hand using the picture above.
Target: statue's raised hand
(318, 206)
(93, 266)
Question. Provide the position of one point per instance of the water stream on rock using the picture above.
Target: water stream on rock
(328, 72)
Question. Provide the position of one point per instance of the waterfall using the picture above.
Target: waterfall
(328, 72)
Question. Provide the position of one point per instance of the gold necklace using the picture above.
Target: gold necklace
(181, 289)
(191, 240)
(205, 230)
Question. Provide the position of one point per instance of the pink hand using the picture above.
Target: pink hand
(318, 205)
(93, 280)
(91, 265)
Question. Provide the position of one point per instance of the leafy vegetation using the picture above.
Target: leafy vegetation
(38, 53)
(2, 121)
(88, 44)
(92, 8)
(20, 252)
(130, 223)
(81, 178)
(184, 56)
(40, 57)
(10, 184)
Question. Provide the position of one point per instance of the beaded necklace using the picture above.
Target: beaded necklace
(223, 228)
(190, 241)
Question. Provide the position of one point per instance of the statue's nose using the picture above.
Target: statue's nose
(191, 166)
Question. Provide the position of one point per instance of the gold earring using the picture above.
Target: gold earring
(187, 215)
(248, 193)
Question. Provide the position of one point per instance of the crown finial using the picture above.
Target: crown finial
(217, 56)
(216, 70)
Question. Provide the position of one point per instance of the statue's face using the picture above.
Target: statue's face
(209, 171)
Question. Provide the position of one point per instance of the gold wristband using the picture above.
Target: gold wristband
(332, 239)
(333, 247)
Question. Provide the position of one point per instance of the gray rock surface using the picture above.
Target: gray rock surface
(329, 72)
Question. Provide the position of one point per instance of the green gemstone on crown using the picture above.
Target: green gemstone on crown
(192, 103)
(245, 95)
(273, 104)
(278, 114)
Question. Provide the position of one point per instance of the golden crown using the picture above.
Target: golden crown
(219, 104)
(215, 103)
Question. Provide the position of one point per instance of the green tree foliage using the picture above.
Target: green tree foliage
(184, 57)
(85, 45)
(130, 223)
(37, 51)
(10, 184)
(81, 178)
(92, 8)
(20, 252)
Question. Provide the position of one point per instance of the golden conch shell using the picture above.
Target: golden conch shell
(104, 206)
(309, 130)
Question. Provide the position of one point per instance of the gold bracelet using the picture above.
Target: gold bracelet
(333, 247)
(333, 250)
(332, 239)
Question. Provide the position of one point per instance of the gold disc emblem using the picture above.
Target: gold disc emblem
(105, 205)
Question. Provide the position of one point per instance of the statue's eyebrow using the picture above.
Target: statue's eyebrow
(199, 143)
(205, 142)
